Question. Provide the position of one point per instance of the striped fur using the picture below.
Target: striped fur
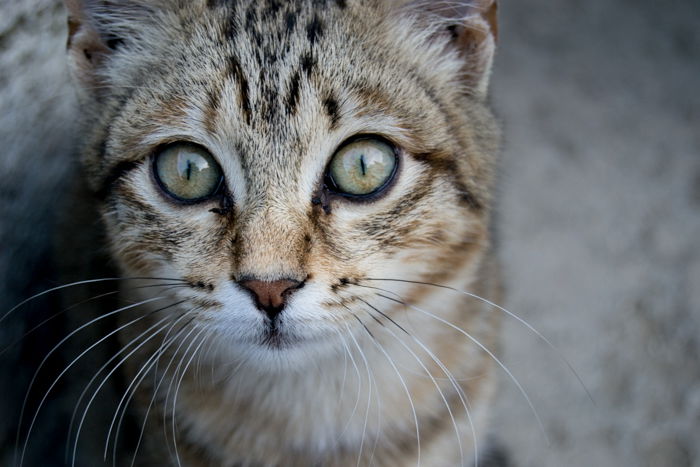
(271, 88)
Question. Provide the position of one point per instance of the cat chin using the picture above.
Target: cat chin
(283, 352)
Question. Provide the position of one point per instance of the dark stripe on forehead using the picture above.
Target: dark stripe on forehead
(293, 97)
(231, 27)
(308, 63)
(220, 3)
(273, 7)
(291, 21)
(314, 30)
(330, 104)
(269, 102)
(236, 73)
(212, 109)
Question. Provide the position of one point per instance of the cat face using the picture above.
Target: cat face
(274, 160)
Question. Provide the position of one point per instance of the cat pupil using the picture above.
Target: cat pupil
(188, 164)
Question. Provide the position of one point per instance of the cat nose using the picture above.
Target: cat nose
(271, 296)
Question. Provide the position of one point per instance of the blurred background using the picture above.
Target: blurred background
(600, 229)
(599, 222)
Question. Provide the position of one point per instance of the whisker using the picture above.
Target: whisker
(129, 388)
(359, 387)
(345, 375)
(532, 329)
(136, 381)
(97, 373)
(458, 389)
(54, 316)
(198, 364)
(160, 353)
(177, 390)
(36, 414)
(403, 383)
(488, 352)
(168, 392)
(106, 378)
(73, 284)
(82, 302)
(155, 371)
(379, 418)
(369, 395)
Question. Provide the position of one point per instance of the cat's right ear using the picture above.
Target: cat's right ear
(88, 43)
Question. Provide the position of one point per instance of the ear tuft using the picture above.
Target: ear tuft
(472, 30)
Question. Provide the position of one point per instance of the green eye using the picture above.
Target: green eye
(187, 172)
(362, 167)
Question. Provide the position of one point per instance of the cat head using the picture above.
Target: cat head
(276, 157)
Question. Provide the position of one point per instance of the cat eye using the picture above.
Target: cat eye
(362, 167)
(187, 172)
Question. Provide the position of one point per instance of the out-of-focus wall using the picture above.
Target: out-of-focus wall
(600, 227)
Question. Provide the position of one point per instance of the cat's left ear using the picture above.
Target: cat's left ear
(471, 26)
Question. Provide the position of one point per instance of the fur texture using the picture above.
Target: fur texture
(365, 365)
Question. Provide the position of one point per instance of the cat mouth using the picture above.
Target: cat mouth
(275, 338)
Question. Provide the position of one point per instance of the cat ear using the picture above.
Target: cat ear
(89, 43)
(471, 26)
(98, 28)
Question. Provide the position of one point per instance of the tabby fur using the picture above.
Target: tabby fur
(271, 89)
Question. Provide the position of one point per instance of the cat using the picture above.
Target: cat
(296, 194)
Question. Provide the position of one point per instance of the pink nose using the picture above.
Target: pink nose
(271, 297)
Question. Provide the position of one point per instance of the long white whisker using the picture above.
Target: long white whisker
(488, 352)
(177, 390)
(345, 375)
(168, 392)
(73, 284)
(460, 393)
(369, 395)
(82, 302)
(97, 373)
(457, 388)
(160, 353)
(106, 378)
(379, 418)
(532, 329)
(408, 394)
(54, 316)
(133, 386)
(55, 289)
(359, 387)
(41, 403)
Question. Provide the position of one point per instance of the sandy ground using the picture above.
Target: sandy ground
(599, 219)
